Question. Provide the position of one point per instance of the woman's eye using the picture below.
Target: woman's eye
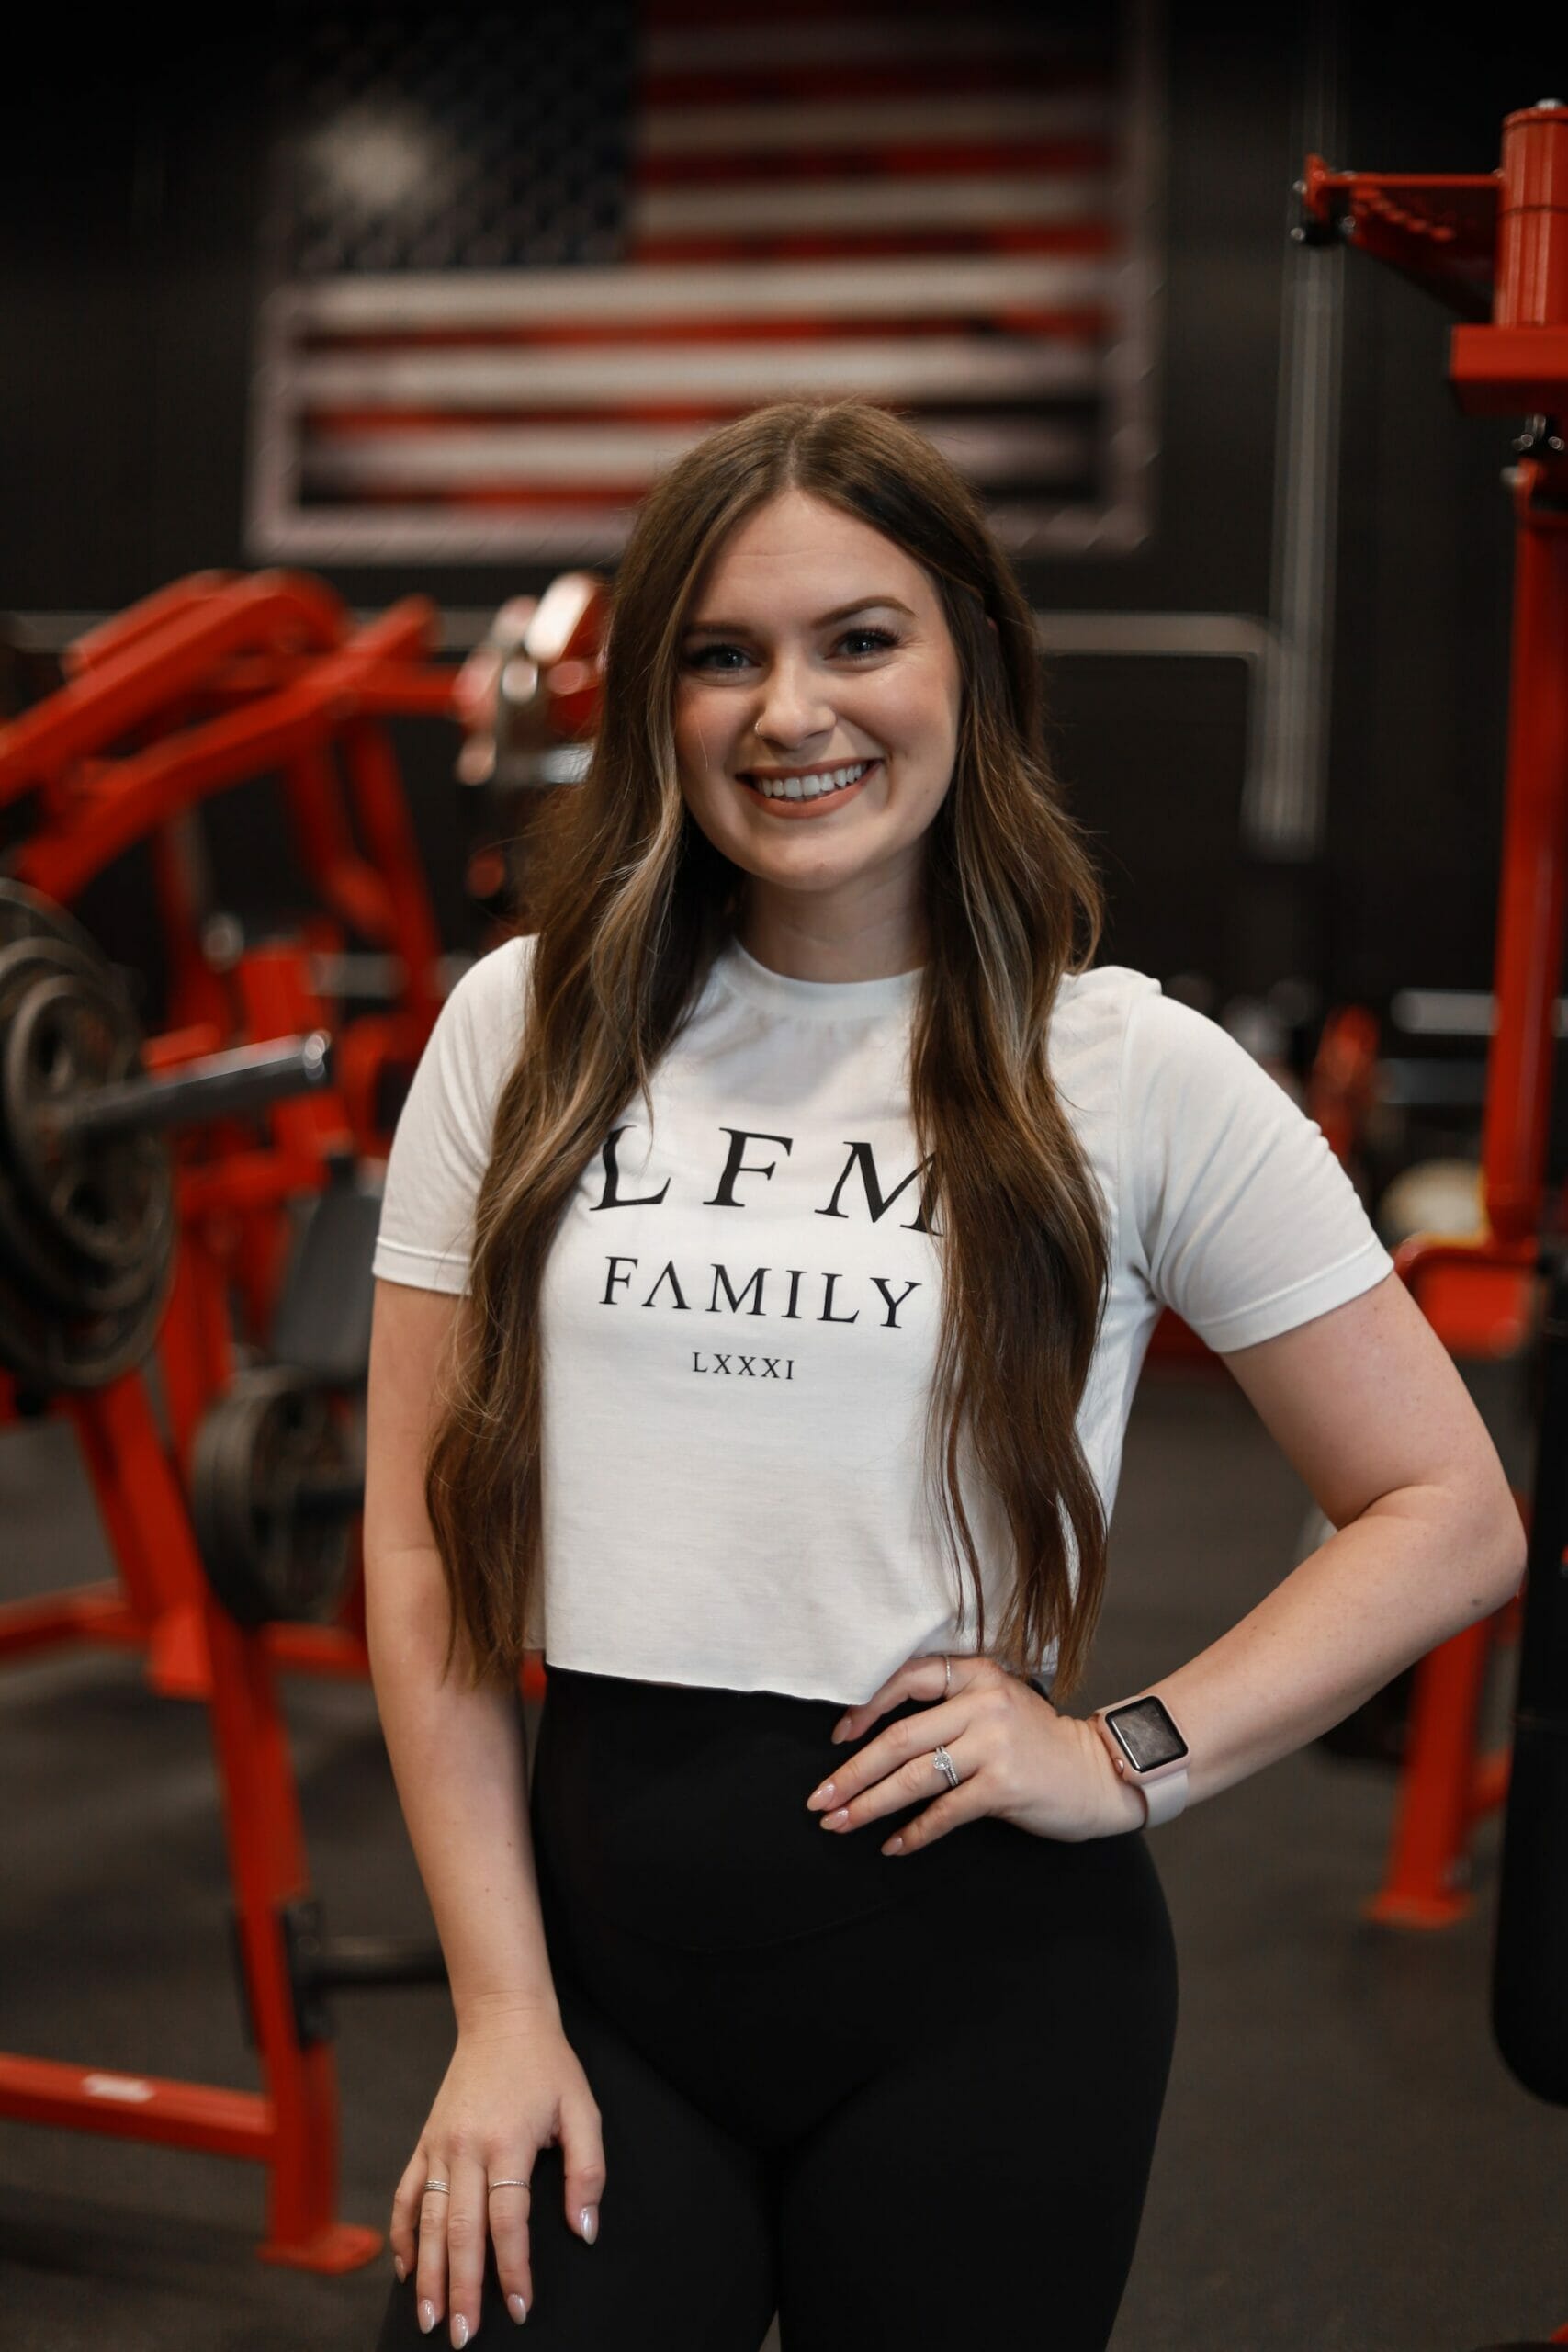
(700, 656)
(857, 642)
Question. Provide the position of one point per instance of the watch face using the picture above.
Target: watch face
(1148, 1733)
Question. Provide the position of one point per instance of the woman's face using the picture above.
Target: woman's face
(817, 654)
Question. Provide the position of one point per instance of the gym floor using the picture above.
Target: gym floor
(1344, 2165)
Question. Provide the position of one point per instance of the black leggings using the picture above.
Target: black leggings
(910, 2099)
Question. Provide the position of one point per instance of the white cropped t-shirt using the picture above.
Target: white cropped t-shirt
(740, 1306)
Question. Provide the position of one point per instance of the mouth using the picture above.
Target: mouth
(810, 792)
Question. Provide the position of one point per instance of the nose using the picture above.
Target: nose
(794, 706)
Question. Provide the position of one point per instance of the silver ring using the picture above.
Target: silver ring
(445, 2186)
(508, 2184)
(944, 1763)
(947, 1686)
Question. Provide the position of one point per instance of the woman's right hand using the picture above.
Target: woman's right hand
(514, 2086)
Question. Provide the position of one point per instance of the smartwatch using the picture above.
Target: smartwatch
(1148, 1750)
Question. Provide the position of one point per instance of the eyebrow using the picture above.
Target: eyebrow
(823, 620)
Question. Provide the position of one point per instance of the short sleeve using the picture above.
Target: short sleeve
(442, 1145)
(1241, 1217)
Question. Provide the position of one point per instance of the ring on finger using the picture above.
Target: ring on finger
(443, 2188)
(509, 2184)
(942, 1762)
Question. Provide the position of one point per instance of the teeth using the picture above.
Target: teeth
(810, 787)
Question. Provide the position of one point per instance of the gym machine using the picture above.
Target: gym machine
(236, 1541)
(91, 1207)
(193, 690)
(233, 1512)
(213, 681)
(1494, 246)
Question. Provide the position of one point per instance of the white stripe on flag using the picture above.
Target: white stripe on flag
(940, 368)
(967, 283)
(914, 204)
(561, 534)
(549, 457)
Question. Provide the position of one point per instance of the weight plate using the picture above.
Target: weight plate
(35, 1248)
(48, 1351)
(240, 1444)
(208, 1487)
(274, 1499)
(306, 1552)
(25, 914)
(85, 1253)
(102, 1201)
(225, 1446)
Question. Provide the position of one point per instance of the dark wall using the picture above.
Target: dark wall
(129, 274)
(1426, 558)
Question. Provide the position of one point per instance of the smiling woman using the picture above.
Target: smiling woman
(811, 588)
(769, 1248)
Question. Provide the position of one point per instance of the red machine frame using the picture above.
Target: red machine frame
(209, 682)
(1494, 246)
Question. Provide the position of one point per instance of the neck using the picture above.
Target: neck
(819, 951)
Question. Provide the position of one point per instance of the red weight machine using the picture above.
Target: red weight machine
(164, 1604)
(205, 686)
(1494, 247)
(215, 681)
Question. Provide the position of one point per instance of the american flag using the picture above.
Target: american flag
(947, 209)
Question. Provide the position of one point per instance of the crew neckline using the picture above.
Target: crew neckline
(816, 1000)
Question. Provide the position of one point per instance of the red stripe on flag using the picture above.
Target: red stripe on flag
(849, 243)
(844, 78)
(889, 159)
(496, 494)
(344, 425)
(1082, 323)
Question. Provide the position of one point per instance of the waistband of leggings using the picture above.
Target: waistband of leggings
(701, 1703)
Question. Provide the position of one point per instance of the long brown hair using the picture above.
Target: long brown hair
(633, 904)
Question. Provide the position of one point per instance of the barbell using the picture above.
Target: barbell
(87, 1205)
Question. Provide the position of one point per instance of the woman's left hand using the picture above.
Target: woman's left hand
(1014, 1755)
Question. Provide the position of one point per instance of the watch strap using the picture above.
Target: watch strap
(1165, 1798)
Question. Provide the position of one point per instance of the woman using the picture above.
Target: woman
(770, 1249)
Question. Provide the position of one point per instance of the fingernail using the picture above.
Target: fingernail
(894, 1846)
(426, 2318)
(398, 2267)
(459, 2332)
(821, 1795)
(838, 1731)
(518, 2308)
(589, 2221)
(836, 1820)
